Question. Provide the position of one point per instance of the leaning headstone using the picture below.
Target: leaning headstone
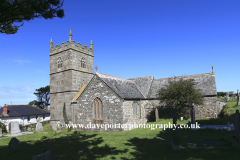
(237, 124)
(39, 126)
(15, 127)
(43, 156)
(13, 145)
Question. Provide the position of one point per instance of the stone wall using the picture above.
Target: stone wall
(112, 110)
(210, 109)
(145, 109)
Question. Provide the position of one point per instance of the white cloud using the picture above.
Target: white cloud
(16, 89)
(17, 94)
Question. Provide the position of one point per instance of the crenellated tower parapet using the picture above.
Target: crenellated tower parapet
(71, 45)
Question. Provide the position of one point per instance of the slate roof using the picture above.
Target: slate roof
(125, 88)
(23, 110)
(205, 82)
(144, 84)
(147, 87)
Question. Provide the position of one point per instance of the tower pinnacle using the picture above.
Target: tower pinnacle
(70, 35)
(91, 44)
(51, 43)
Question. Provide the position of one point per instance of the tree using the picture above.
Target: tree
(34, 102)
(14, 12)
(43, 96)
(221, 94)
(180, 94)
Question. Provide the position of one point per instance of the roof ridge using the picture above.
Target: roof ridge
(195, 75)
(140, 77)
(114, 77)
(20, 105)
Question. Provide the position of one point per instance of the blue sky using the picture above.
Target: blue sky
(132, 38)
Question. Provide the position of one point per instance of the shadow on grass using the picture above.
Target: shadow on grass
(160, 147)
(73, 146)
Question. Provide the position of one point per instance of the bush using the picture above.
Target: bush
(21, 127)
(3, 126)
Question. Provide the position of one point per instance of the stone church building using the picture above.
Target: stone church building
(98, 98)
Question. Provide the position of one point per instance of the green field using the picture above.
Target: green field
(140, 144)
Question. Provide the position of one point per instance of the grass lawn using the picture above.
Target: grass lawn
(140, 144)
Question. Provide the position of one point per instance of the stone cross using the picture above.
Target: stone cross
(96, 68)
(38, 120)
(193, 115)
(237, 124)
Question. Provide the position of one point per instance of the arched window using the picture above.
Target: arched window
(97, 109)
(83, 64)
(135, 108)
(59, 62)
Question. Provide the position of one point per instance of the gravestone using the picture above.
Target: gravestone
(70, 127)
(59, 127)
(193, 115)
(237, 124)
(227, 97)
(63, 123)
(43, 156)
(14, 127)
(13, 145)
(238, 101)
(156, 114)
(0, 132)
(39, 126)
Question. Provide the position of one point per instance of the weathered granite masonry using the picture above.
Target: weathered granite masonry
(112, 105)
(69, 78)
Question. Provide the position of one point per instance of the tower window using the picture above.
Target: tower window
(83, 64)
(97, 109)
(59, 62)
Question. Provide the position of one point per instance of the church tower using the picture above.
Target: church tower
(71, 67)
